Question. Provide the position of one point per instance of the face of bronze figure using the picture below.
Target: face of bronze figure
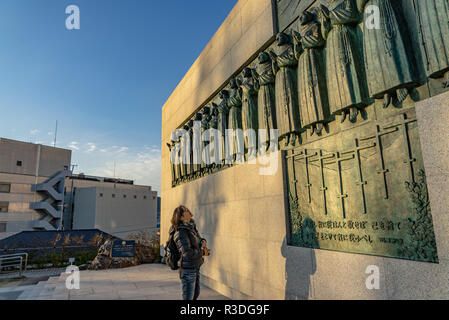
(233, 83)
(247, 72)
(190, 123)
(263, 57)
(223, 94)
(282, 39)
(306, 17)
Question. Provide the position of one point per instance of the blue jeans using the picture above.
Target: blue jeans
(190, 280)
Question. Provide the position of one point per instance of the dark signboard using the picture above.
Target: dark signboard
(123, 249)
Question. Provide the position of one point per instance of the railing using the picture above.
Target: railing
(19, 260)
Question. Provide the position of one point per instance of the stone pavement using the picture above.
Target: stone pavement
(34, 273)
(144, 282)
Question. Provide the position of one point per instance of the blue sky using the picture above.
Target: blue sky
(105, 83)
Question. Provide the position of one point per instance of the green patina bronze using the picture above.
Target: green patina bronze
(205, 156)
(387, 60)
(344, 63)
(216, 138)
(363, 190)
(250, 119)
(355, 186)
(312, 87)
(287, 111)
(433, 17)
(265, 79)
(234, 103)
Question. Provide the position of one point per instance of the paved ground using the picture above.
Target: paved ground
(144, 282)
(34, 273)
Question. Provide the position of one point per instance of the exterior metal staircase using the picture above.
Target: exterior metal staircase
(52, 206)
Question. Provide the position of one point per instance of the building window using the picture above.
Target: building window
(4, 206)
(2, 227)
(113, 195)
(19, 163)
(5, 187)
(66, 168)
(154, 198)
(124, 196)
(135, 197)
(144, 197)
(101, 195)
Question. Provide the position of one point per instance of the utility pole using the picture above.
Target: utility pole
(71, 200)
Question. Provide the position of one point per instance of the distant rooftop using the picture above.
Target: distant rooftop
(82, 176)
(31, 143)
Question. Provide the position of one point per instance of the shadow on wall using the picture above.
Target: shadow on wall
(300, 262)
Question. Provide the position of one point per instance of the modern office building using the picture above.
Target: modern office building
(32, 181)
(39, 192)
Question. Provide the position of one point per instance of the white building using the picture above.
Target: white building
(119, 212)
(38, 192)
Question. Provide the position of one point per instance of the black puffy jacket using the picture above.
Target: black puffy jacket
(186, 239)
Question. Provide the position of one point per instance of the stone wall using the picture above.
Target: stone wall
(244, 214)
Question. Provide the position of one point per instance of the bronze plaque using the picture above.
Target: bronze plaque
(363, 190)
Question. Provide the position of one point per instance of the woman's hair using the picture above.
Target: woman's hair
(177, 214)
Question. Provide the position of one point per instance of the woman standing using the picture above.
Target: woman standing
(192, 249)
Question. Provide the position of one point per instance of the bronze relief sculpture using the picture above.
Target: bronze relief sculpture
(388, 69)
(178, 162)
(197, 144)
(287, 113)
(222, 121)
(216, 139)
(312, 87)
(249, 112)
(185, 152)
(172, 149)
(345, 70)
(433, 17)
(266, 100)
(235, 143)
(190, 137)
(205, 138)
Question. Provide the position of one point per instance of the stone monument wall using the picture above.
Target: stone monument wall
(363, 152)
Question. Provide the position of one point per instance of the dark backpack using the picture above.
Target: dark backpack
(172, 254)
